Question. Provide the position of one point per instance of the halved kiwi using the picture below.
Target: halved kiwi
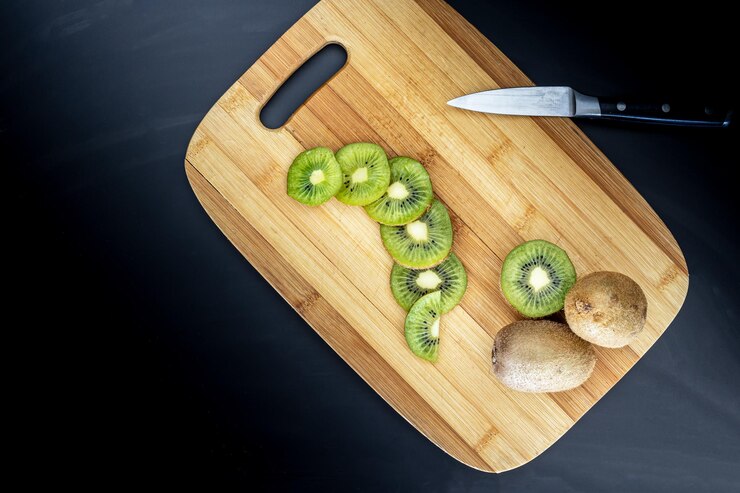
(422, 326)
(365, 173)
(449, 278)
(535, 278)
(314, 177)
(422, 243)
(408, 195)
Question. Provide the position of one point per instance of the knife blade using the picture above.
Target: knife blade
(561, 101)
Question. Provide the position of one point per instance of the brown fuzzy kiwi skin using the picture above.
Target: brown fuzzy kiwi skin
(541, 356)
(608, 309)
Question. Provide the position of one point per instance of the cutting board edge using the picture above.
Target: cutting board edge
(553, 127)
(191, 168)
(482, 467)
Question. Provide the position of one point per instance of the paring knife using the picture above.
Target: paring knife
(564, 101)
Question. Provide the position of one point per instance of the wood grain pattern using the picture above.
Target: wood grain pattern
(504, 179)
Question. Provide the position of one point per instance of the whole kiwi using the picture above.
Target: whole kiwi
(606, 308)
(541, 356)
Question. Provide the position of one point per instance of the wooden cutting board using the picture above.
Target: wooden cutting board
(504, 179)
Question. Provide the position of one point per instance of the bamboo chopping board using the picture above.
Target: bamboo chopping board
(504, 179)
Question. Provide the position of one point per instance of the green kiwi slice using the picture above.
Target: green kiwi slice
(408, 195)
(314, 177)
(449, 278)
(422, 326)
(422, 243)
(365, 173)
(535, 278)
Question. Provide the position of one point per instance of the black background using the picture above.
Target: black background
(147, 352)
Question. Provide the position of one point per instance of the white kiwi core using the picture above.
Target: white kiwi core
(418, 230)
(428, 280)
(317, 176)
(434, 331)
(538, 278)
(398, 191)
(360, 175)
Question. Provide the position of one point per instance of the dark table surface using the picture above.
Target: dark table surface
(150, 353)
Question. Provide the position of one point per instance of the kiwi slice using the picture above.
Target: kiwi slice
(535, 278)
(314, 177)
(422, 243)
(365, 173)
(408, 195)
(449, 278)
(422, 326)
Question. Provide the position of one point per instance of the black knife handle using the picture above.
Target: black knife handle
(666, 113)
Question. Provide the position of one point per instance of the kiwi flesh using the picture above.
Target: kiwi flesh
(606, 308)
(314, 177)
(449, 278)
(365, 173)
(541, 356)
(408, 195)
(422, 326)
(535, 278)
(422, 243)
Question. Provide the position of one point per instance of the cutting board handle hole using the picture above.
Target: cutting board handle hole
(306, 80)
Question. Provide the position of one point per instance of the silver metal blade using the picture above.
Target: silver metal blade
(530, 101)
